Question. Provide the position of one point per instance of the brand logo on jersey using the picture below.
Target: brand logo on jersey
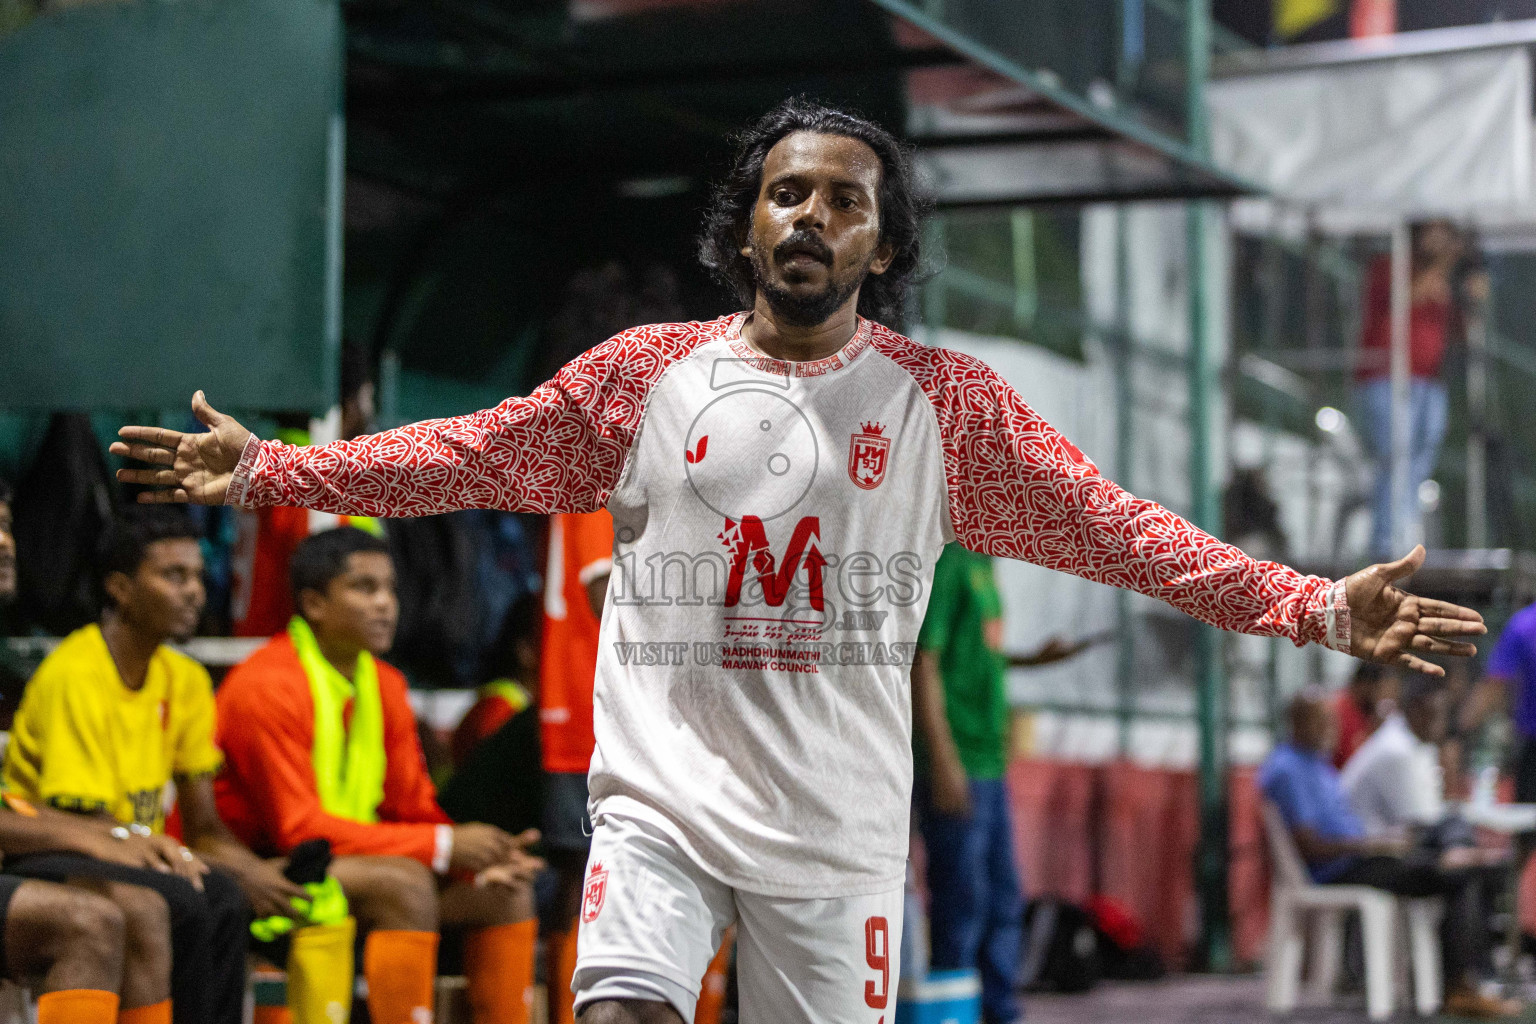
(868, 453)
(697, 455)
(592, 897)
(748, 541)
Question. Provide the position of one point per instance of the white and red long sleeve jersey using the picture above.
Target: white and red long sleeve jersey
(776, 527)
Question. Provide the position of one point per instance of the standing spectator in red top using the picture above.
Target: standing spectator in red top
(1437, 248)
(575, 584)
(320, 742)
(1361, 708)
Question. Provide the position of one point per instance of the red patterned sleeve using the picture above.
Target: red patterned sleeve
(560, 449)
(1019, 489)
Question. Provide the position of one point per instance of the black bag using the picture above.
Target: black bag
(436, 644)
(63, 506)
(1063, 951)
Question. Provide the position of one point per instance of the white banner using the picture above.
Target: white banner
(1443, 134)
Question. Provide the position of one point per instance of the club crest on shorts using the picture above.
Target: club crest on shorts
(592, 896)
(868, 453)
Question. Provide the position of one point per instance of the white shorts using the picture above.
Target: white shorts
(652, 919)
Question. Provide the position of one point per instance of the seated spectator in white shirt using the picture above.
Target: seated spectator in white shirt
(1395, 786)
(1299, 779)
(1394, 781)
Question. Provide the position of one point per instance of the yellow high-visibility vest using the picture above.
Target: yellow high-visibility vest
(350, 762)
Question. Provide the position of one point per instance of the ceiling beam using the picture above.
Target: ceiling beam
(459, 85)
(1084, 132)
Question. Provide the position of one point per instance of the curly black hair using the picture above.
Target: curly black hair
(903, 204)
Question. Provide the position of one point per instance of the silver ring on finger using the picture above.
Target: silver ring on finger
(186, 854)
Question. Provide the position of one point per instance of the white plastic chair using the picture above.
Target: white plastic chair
(1296, 902)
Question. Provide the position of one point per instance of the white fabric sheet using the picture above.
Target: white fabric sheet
(1447, 134)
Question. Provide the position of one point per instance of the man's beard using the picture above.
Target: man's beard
(801, 310)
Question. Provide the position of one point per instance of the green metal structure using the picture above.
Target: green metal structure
(170, 205)
(1205, 506)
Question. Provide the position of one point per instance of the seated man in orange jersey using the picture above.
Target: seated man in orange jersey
(320, 742)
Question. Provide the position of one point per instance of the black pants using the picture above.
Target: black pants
(1462, 932)
(8, 885)
(209, 931)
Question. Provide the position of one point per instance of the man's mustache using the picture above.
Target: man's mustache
(807, 242)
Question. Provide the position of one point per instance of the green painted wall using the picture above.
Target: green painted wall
(168, 184)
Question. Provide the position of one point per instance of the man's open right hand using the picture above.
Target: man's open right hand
(194, 468)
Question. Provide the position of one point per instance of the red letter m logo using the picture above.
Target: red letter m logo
(748, 541)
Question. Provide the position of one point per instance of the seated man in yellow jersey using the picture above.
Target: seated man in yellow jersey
(101, 947)
(112, 717)
(86, 948)
(320, 743)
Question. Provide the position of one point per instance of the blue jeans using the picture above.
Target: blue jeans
(1427, 410)
(975, 904)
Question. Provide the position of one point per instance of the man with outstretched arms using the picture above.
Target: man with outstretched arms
(782, 482)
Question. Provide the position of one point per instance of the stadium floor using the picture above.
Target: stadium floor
(1191, 999)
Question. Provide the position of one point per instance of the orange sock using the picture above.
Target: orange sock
(498, 965)
(400, 966)
(158, 1013)
(273, 1015)
(712, 991)
(77, 1006)
(562, 965)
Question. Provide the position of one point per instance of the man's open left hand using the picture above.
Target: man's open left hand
(1393, 627)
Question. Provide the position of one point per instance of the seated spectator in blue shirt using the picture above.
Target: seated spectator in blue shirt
(1300, 780)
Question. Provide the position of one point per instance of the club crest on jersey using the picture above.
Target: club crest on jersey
(592, 896)
(868, 454)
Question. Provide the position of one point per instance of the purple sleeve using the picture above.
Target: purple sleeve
(1511, 654)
